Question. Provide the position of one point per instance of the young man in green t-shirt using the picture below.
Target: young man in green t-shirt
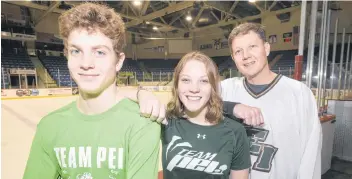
(101, 134)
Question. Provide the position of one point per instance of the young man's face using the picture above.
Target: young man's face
(92, 60)
(250, 54)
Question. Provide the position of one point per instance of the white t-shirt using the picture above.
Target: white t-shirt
(288, 145)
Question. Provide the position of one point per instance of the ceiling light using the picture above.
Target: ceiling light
(155, 28)
(252, 1)
(137, 3)
(188, 18)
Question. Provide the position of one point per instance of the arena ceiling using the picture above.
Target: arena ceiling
(158, 18)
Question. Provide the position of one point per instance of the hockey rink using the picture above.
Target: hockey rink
(19, 120)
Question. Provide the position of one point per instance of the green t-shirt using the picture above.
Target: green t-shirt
(195, 151)
(116, 144)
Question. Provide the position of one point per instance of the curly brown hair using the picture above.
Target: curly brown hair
(94, 17)
(214, 105)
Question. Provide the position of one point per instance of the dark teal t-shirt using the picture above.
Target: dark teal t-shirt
(193, 151)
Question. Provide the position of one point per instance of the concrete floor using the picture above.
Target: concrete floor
(340, 169)
(20, 117)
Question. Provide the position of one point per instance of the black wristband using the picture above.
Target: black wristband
(228, 107)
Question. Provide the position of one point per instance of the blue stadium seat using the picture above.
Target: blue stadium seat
(58, 70)
(13, 55)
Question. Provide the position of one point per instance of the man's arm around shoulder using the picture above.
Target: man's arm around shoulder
(144, 146)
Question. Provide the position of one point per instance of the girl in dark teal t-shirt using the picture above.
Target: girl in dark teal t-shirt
(198, 141)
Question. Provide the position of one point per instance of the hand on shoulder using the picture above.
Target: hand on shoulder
(251, 115)
(151, 107)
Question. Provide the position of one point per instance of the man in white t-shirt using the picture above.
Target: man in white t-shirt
(288, 145)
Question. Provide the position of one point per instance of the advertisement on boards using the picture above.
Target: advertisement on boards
(150, 88)
(59, 91)
(75, 91)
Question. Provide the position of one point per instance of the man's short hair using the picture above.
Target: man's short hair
(94, 17)
(244, 29)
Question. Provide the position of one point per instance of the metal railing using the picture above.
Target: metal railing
(62, 78)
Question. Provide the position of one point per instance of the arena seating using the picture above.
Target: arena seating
(167, 66)
(13, 55)
(160, 68)
(130, 65)
(224, 63)
(156, 69)
(57, 69)
(160, 64)
(57, 66)
(286, 61)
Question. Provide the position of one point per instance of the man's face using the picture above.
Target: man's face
(92, 60)
(250, 53)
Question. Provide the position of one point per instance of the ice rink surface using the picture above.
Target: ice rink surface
(19, 120)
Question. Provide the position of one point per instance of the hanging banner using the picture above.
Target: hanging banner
(15, 71)
(24, 36)
(205, 46)
(48, 38)
(220, 43)
(272, 39)
(156, 49)
(287, 37)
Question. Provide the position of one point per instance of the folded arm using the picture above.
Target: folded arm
(243, 113)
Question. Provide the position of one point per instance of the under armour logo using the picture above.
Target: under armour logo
(203, 136)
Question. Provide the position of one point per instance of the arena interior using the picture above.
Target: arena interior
(310, 42)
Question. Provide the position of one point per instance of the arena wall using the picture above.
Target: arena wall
(214, 42)
(152, 49)
(13, 10)
(49, 24)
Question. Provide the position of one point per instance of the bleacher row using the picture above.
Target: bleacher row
(161, 69)
(13, 55)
